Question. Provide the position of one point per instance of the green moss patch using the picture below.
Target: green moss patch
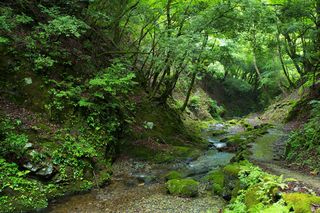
(173, 175)
(183, 187)
(232, 169)
(217, 180)
(301, 203)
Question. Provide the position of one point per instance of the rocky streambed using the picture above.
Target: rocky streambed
(138, 186)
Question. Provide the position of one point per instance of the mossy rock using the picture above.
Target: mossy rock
(232, 169)
(173, 175)
(183, 187)
(301, 203)
(231, 181)
(186, 152)
(217, 180)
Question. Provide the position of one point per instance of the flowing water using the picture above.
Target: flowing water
(138, 186)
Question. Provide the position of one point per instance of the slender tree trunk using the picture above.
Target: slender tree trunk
(291, 51)
(193, 79)
(284, 68)
(194, 74)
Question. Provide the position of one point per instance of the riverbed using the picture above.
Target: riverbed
(139, 186)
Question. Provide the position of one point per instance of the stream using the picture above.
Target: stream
(138, 186)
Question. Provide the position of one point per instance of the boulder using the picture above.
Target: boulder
(183, 187)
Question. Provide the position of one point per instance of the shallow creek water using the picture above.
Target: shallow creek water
(138, 186)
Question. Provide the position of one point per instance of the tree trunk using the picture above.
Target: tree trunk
(284, 68)
(185, 104)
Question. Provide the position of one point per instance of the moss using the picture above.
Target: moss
(233, 121)
(232, 169)
(183, 187)
(217, 179)
(300, 202)
(145, 153)
(186, 152)
(173, 175)
(246, 125)
(235, 139)
(167, 125)
(218, 132)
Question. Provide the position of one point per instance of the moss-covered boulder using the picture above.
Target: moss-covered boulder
(217, 179)
(302, 203)
(183, 187)
(232, 169)
(231, 181)
(173, 175)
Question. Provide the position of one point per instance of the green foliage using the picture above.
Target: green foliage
(303, 144)
(6, 19)
(217, 180)
(215, 110)
(173, 175)
(70, 157)
(4, 40)
(41, 62)
(236, 86)
(258, 188)
(28, 194)
(194, 103)
(23, 19)
(300, 202)
(108, 103)
(64, 96)
(115, 80)
(11, 142)
(64, 25)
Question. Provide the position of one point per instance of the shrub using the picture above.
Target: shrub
(17, 192)
(10, 141)
(257, 189)
(215, 110)
(194, 103)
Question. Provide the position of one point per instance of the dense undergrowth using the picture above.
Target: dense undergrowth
(303, 144)
(35, 168)
(257, 191)
(84, 81)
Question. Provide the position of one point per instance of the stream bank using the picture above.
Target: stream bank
(138, 186)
